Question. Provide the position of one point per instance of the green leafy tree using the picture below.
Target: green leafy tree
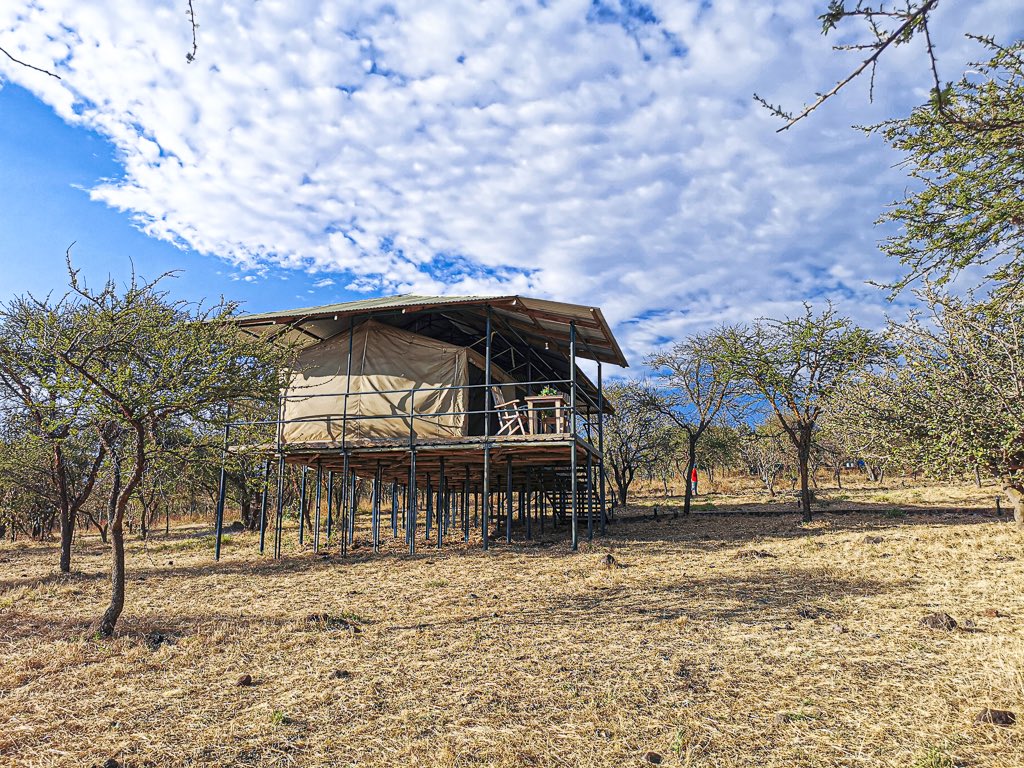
(720, 449)
(967, 155)
(146, 362)
(765, 449)
(635, 436)
(795, 365)
(956, 399)
(38, 392)
(697, 387)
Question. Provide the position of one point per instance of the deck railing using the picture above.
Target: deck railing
(581, 421)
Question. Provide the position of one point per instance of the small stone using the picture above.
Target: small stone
(244, 681)
(939, 620)
(759, 554)
(653, 758)
(995, 717)
(155, 639)
(340, 674)
(969, 624)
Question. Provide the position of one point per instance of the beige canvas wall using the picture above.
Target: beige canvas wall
(383, 359)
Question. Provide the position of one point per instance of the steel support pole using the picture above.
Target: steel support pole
(330, 504)
(429, 498)
(600, 449)
(410, 528)
(375, 508)
(222, 488)
(394, 509)
(279, 517)
(343, 521)
(353, 506)
(263, 504)
(442, 505)
(316, 518)
(302, 507)
(529, 511)
(508, 500)
(487, 431)
(572, 432)
(465, 507)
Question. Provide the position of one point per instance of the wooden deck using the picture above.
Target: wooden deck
(538, 454)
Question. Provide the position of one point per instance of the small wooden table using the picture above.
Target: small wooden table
(546, 414)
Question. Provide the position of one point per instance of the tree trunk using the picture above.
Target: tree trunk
(67, 532)
(1015, 493)
(803, 459)
(115, 526)
(110, 616)
(250, 521)
(119, 502)
(691, 460)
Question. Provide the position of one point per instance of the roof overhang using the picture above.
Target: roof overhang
(543, 321)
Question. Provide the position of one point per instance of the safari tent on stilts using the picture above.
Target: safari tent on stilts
(461, 417)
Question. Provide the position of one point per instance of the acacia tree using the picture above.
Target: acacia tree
(795, 365)
(146, 362)
(957, 400)
(720, 449)
(967, 155)
(697, 387)
(37, 389)
(763, 449)
(635, 435)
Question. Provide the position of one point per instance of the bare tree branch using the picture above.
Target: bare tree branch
(913, 20)
(26, 64)
(191, 55)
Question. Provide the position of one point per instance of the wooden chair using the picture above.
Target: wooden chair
(510, 414)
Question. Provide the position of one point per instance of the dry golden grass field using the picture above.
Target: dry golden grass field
(716, 641)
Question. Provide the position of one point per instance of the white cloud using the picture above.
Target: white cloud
(565, 149)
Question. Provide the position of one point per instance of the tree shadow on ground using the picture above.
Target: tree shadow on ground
(769, 596)
(700, 531)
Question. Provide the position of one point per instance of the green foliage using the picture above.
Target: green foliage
(964, 147)
(955, 400)
(145, 378)
(795, 365)
(636, 436)
(933, 757)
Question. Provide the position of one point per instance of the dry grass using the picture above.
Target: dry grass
(716, 642)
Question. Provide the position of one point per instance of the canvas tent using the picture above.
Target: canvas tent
(393, 372)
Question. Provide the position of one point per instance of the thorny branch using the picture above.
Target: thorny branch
(913, 19)
(191, 55)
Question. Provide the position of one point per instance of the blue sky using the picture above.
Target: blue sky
(600, 151)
